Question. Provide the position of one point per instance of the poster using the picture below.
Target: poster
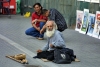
(91, 24)
(79, 15)
(95, 1)
(97, 25)
(85, 20)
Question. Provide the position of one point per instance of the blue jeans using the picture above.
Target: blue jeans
(35, 33)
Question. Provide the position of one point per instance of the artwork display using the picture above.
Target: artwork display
(91, 24)
(79, 15)
(88, 23)
(85, 21)
(97, 25)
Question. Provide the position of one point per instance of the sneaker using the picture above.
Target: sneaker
(40, 38)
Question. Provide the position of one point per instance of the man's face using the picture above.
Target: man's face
(47, 13)
(50, 29)
(37, 8)
(50, 26)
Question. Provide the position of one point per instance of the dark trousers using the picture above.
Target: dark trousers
(49, 55)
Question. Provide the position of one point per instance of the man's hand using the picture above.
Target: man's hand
(34, 21)
(41, 31)
(51, 46)
(38, 51)
(38, 29)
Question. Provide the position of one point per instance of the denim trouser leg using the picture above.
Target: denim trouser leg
(32, 32)
(41, 25)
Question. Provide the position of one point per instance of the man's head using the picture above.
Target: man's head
(50, 28)
(37, 7)
(45, 12)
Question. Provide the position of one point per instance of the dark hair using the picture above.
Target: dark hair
(38, 5)
(44, 11)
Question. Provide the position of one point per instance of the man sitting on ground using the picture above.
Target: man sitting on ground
(55, 39)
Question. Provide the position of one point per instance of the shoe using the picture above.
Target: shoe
(45, 60)
(76, 60)
(40, 38)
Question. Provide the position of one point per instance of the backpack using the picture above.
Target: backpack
(63, 56)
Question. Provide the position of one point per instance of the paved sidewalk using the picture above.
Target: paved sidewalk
(14, 41)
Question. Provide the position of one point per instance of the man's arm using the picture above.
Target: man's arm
(37, 28)
(41, 20)
(34, 20)
(38, 20)
(45, 48)
(34, 25)
(43, 29)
